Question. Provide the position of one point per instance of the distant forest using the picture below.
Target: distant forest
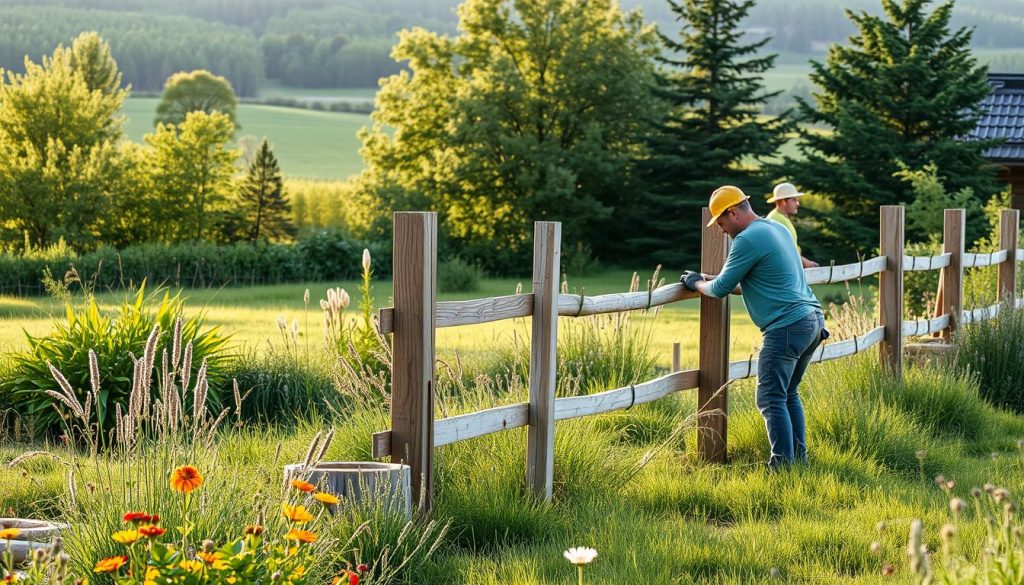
(346, 43)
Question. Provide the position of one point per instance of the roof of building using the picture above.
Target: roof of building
(1003, 117)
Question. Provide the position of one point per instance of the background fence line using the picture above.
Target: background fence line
(416, 314)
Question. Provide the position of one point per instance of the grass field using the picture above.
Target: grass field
(308, 143)
(250, 315)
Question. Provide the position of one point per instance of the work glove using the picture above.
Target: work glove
(690, 279)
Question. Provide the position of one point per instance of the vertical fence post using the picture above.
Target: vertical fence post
(952, 279)
(412, 393)
(712, 406)
(677, 357)
(540, 441)
(890, 288)
(1009, 224)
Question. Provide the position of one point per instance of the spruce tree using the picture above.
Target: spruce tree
(262, 197)
(901, 94)
(712, 135)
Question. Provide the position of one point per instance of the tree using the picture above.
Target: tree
(904, 91)
(190, 167)
(534, 112)
(90, 56)
(712, 132)
(195, 91)
(262, 198)
(58, 145)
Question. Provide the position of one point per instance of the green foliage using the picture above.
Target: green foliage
(993, 350)
(712, 132)
(114, 339)
(907, 86)
(195, 91)
(455, 275)
(263, 202)
(924, 212)
(58, 141)
(90, 56)
(191, 167)
(282, 387)
(533, 112)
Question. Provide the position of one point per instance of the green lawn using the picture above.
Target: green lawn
(308, 143)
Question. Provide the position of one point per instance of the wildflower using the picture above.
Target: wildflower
(975, 493)
(948, 532)
(880, 527)
(151, 531)
(297, 514)
(254, 530)
(888, 570)
(325, 498)
(876, 548)
(110, 564)
(9, 533)
(208, 545)
(362, 567)
(185, 479)
(303, 486)
(956, 505)
(215, 560)
(366, 260)
(305, 297)
(580, 555)
(191, 565)
(138, 518)
(126, 536)
(281, 324)
(1000, 494)
(343, 299)
(300, 536)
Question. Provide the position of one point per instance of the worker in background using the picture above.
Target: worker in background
(787, 202)
(764, 265)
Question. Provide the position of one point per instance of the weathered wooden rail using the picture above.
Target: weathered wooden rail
(417, 314)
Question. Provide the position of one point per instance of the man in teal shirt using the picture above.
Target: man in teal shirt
(764, 266)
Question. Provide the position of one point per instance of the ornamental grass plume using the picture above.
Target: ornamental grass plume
(580, 556)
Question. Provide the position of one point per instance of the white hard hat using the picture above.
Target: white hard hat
(784, 191)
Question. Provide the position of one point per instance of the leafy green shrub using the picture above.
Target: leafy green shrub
(281, 387)
(115, 340)
(455, 275)
(993, 350)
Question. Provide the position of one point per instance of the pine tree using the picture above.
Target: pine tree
(263, 198)
(712, 82)
(902, 92)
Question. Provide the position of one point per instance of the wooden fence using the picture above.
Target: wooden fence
(413, 320)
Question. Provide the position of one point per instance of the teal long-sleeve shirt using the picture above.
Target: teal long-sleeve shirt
(764, 261)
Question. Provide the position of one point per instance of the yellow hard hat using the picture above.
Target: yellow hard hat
(724, 198)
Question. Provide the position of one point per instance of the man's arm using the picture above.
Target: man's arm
(742, 257)
(707, 281)
(808, 263)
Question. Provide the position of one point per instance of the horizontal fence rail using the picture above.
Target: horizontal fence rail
(544, 409)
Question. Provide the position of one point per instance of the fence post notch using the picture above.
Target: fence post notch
(540, 441)
(412, 382)
(712, 405)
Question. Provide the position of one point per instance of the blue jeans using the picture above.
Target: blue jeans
(785, 353)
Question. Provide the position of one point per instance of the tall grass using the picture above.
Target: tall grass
(993, 350)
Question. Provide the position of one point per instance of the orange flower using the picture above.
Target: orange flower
(325, 498)
(303, 486)
(353, 579)
(185, 479)
(151, 531)
(110, 564)
(297, 514)
(215, 560)
(138, 518)
(254, 530)
(126, 536)
(300, 535)
(9, 533)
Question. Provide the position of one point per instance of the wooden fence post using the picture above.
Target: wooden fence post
(712, 405)
(954, 223)
(1009, 224)
(677, 357)
(540, 441)
(412, 392)
(890, 288)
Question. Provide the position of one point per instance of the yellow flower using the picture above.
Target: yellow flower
(185, 479)
(300, 536)
(215, 560)
(151, 574)
(303, 486)
(191, 565)
(110, 564)
(126, 536)
(9, 533)
(325, 498)
(297, 514)
(299, 571)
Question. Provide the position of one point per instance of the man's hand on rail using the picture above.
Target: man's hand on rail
(690, 279)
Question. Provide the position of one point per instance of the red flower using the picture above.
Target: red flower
(151, 531)
(362, 567)
(138, 518)
(353, 578)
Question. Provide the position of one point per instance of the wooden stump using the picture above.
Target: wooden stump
(388, 484)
